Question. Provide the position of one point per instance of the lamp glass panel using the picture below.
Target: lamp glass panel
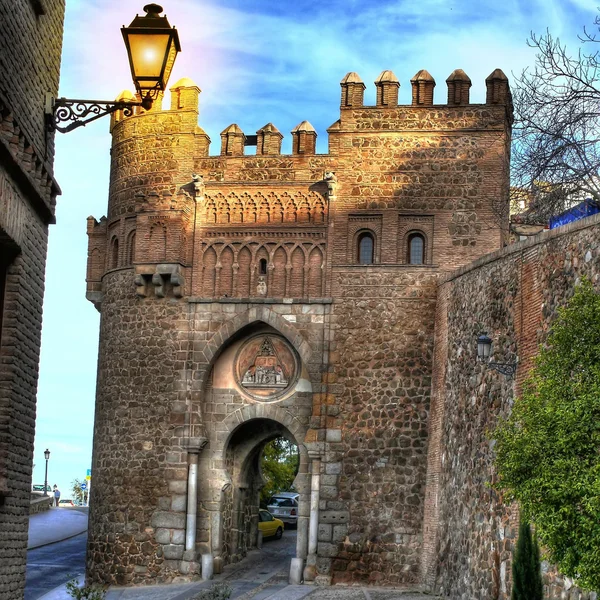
(484, 347)
(148, 56)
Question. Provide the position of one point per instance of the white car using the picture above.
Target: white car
(284, 506)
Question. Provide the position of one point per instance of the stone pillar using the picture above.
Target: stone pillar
(310, 571)
(192, 502)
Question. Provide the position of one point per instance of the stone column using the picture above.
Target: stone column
(192, 502)
(216, 526)
(310, 571)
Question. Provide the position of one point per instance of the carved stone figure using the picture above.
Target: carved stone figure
(261, 288)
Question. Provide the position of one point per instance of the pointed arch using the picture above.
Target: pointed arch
(158, 242)
(279, 274)
(303, 212)
(226, 273)
(315, 273)
(209, 262)
(228, 330)
(95, 266)
(276, 209)
(130, 248)
(264, 213)
(114, 253)
(244, 262)
(223, 214)
(249, 210)
(318, 209)
(296, 287)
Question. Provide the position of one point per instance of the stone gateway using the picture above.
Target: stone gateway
(247, 297)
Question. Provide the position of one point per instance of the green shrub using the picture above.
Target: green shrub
(526, 568)
(547, 450)
(219, 591)
(87, 592)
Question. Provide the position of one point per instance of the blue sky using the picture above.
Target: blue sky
(256, 62)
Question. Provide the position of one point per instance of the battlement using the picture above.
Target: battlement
(268, 139)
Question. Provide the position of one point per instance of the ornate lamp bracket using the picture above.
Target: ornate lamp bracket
(508, 369)
(66, 114)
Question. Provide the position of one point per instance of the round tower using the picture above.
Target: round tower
(138, 257)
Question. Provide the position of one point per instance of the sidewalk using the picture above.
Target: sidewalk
(55, 525)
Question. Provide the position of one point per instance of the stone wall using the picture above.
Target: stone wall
(514, 295)
(30, 46)
(377, 397)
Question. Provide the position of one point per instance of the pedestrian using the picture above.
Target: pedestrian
(56, 495)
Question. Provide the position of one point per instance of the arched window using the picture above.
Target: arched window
(262, 266)
(366, 249)
(114, 253)
(416, 249)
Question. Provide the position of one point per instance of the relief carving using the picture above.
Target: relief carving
(266, 367)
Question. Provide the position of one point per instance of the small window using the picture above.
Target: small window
(416, 249)
(366, 247)
(262, 266)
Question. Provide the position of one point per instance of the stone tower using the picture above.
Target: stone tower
(246, 297)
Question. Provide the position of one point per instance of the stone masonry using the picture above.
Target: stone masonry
(30, 48)
(512, 294)
(245, 297)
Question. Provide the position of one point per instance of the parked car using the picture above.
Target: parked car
(269, 525)
(66, 502)
(284, 506)
(39, 487)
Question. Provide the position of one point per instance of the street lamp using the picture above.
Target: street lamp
(484, 351)
(47, 457)
(152, 46)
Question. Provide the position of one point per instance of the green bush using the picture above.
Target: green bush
(526, 568)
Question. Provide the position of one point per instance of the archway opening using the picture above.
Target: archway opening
(258, 390)
(279, 463)
(261, 455)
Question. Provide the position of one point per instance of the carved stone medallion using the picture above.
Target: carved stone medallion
(266, 367)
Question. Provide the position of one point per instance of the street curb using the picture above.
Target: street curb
(58, 540)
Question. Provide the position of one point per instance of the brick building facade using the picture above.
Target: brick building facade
(245, 297)
(30, 48)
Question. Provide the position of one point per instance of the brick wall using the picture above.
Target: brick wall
(514, 295)
(29, 66)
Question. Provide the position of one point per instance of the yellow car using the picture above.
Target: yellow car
(269, 525)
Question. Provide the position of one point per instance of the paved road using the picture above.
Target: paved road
(54, 564)
(260, 575)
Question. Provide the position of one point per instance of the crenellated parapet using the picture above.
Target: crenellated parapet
(167, 189)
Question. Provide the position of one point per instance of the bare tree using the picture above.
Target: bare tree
(556, 135)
